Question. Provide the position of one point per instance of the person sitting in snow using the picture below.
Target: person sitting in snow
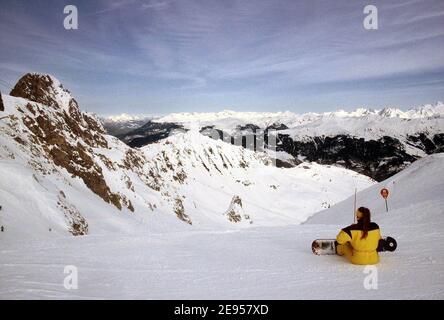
(359, 241)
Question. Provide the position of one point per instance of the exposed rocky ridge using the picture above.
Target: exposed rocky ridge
(65, 135)
(45, 90)
(55, 136)
(235, 212)
(78, 226)
(377, 159)
(428, 143)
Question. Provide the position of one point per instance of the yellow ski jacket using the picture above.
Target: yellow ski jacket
(363, 250)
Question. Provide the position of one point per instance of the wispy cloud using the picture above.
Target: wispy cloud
(110, 6)
(157, 5)
(254, 51)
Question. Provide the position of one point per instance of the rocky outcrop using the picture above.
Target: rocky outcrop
(429, 144)
(66, 135)
(61, 143)
(44, 89)
(77, 224)
(235, 212)
(179, 209)
(378, 159)
(277, 127)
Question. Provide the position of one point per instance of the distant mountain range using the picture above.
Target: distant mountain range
(124, 123)
(377, 143)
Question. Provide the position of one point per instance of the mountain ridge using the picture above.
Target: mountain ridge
(377, 143)
(74, 178)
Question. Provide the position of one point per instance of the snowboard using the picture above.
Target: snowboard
(322, 247)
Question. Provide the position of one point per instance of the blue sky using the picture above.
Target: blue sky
(162, 56)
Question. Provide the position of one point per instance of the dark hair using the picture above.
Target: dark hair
(365, 220)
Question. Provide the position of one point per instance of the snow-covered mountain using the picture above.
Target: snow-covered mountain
(61, 173)
(125, 117)
(119, 125)
(230, 121)
(377, 143)
(164, 220)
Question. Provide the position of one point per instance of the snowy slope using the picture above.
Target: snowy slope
(215, 172)
(257, 263)
(416, 197)
(163, 221)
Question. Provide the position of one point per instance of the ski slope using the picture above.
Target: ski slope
(256, 263)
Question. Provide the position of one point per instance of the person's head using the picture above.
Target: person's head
(363, 216)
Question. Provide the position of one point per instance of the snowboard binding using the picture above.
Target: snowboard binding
(387, 244)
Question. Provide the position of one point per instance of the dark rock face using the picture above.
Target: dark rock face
(150, 132)
(287, 164)
(2, 107)
(251, 127)
(378, 159)
(428, 144)
(277, 127)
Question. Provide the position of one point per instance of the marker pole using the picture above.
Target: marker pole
(354, 208)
